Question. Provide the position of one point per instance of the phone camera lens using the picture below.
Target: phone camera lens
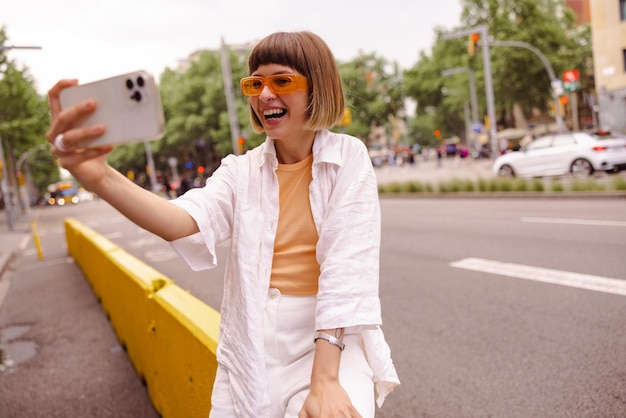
(129, 84)
(140, 81)
(136, 96)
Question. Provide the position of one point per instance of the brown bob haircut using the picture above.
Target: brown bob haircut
(310, 56)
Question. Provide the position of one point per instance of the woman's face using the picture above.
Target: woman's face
(283, 115)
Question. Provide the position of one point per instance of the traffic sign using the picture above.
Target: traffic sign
(557, 86)
(571, 80)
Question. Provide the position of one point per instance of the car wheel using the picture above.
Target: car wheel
(581, 168)
(506, 171)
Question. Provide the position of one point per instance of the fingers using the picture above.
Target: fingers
(55, 91)
(70, 160)
(76, 138)
(66, 118)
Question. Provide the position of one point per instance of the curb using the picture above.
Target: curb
(5, 260)
(505, 195)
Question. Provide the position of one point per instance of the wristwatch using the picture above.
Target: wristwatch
(331, 340)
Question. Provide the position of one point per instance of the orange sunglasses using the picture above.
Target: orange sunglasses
(278, 84)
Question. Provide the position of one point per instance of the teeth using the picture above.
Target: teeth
(272, 112)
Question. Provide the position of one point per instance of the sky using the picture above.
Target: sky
(96, 39)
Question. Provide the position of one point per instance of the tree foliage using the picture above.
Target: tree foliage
(519, 76)
(197, 120)
(23, 121)
(373, 92)
(196, 113)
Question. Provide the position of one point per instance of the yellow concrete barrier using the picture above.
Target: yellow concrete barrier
(170, 336)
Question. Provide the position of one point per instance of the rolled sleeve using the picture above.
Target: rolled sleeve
(212, 207)
(349, 248)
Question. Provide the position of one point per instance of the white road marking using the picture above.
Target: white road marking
(575, 221)
(563, 278)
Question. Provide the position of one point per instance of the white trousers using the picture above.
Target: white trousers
(289, 325)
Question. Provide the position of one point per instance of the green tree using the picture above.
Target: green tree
(519, 77)
(373, 91)
(197, 122)
(24, 120)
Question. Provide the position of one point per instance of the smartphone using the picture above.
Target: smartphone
(129, 106)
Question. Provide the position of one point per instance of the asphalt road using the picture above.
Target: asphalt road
(468, 342)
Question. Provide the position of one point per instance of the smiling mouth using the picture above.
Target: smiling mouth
(271, 114)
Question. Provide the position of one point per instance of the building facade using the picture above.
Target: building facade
(608, 34)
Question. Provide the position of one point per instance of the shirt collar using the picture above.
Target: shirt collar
(326, 149)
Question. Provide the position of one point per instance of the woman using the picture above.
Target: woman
(300, 322)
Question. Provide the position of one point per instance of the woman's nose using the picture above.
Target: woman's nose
(266, 94)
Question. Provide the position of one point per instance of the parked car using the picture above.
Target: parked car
(578, 153)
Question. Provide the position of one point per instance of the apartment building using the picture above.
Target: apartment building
(608, 34)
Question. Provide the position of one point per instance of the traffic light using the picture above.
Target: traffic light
(471, 43)
(437, 134)
(240, 145)
(563, 101)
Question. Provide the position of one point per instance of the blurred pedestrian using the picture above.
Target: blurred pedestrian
(300, 323)
(167, 187)
(183, 187)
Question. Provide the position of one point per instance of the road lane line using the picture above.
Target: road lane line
(574, 221)
(563, 278)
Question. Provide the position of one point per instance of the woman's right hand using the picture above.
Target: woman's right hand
(87, 165)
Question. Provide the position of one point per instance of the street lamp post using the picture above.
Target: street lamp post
(556, 84)
(473, 104)
(491, 112)
(7, 193)
(23, 187)
(230, 97)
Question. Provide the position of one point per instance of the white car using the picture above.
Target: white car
(578, 153)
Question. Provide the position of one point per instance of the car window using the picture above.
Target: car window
(539, 143)
(563, 140)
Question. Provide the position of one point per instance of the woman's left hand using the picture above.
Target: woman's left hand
(328, 400)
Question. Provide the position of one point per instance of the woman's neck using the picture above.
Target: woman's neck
(294, 151)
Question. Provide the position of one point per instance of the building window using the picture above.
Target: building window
(622, 9)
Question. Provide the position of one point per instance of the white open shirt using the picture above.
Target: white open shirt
(240, 202)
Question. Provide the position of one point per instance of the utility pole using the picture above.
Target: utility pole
(491, 112)
(473, 104)
(230, 97)
(7, 192)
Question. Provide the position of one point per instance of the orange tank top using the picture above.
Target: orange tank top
(295, 270)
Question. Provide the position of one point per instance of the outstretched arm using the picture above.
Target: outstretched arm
(90, 168)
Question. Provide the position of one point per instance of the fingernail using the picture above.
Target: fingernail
(88, 104)
(97, 128)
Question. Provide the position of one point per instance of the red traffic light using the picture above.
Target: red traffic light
(437, 133)
(471, 43)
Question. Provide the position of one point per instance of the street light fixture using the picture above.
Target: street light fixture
(475, 126)
(7, 195)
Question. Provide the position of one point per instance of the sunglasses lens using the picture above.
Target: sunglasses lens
(283, 84)
(278, 84)
(251, 86)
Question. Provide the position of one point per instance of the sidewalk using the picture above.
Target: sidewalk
(59, 356)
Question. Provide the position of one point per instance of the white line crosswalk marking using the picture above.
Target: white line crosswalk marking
(563, 278)
(592, 222)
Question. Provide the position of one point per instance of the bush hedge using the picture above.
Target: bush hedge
(505, 185)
